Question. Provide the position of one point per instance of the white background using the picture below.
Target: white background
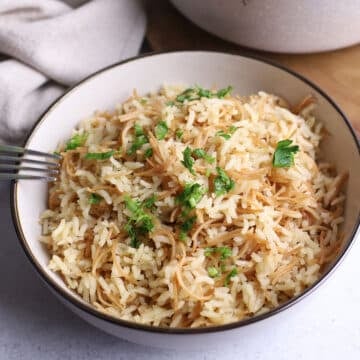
(34, 325)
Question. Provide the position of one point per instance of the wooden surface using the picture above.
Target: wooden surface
(336, 72)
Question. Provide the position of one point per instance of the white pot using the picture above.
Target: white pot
(290, 26)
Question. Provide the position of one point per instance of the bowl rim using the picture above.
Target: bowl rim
(88, 308)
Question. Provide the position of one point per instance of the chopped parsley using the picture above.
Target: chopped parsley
(227, 135)
(148, 153)
(135, 242)
(232, 129)
(222, 183)
(186, 226)
(139, 223)
(94, 199)
(188, 94)
(224, 92)
(208, 172)
(284, 154)
(191, 195)
(149, 203)
(143, 101)
(230, 275)
(201, 154)
(204, 93)
(188, 199)
(138, 130)
(76, 141)
(190, 155)
(223, 134)
(170, 103)
(197, 92)
(139, 140)
(188, 161)
(132, 205)
(213, 271)
(179, 133)
(100, 156)
(223, 251)
(161, 130)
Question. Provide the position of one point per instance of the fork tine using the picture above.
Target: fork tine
(27, 168)
(7, 176)
(17, 159)
(12, 159)
(20, 150)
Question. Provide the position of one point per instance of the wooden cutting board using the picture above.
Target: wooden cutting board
(336, 72)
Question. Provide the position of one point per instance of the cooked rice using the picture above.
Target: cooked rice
(281, 224)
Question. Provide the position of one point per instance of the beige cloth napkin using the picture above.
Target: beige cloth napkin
(50, 45)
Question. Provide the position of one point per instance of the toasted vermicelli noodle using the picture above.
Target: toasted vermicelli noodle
(230, 254)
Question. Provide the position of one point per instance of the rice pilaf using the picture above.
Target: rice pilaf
(193, 208)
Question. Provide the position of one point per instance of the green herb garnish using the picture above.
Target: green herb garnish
(191, 195)
(139, 141)
(188, 94)
(186, 226)
(213, 271)
(188, 199)
(204, 93)
(188, 161)
(170, 103)
(139, 223)
(148, 153)
(179, 133)
(149, 203)
(230, 275)
(138, 130)
(139, 217)
(161, 130)
(284, 154)
(132, 205)
(227, 135)
(135, 242)
(208, 172)
(197, 93)
(223, 134)
(223, 92)
(222, 183)
(76, 141)
(94, 199)
(201, 154)
(223, 251)
(143, 101)
(189, 156)
(100, 156)
(232, 129)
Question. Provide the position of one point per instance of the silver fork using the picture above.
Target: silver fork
(17, 163)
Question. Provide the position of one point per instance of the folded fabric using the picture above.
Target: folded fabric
(51, 45)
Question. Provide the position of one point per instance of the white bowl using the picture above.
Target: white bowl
(278, 25)
(113, 85)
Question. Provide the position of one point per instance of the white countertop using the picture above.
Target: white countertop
(35, 325)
